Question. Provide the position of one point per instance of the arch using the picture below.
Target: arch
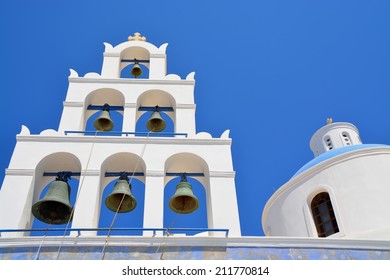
(56, 162)
(117, 163)
(101, 96)
(323, 214)
(131, 53)
(189, 163)
(60, 161)
(152, 98)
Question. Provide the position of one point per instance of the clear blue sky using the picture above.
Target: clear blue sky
(270, 71)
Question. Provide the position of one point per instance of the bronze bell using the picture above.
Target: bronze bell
(136, 71)
(156, 123)
(55, 207)
(183, 201)
(104, 122)
(121, 193)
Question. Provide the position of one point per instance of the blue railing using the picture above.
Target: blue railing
(126, 133)
(166, 231)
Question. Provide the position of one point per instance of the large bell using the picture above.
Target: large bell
(121, 192)
(183, 201)
(136, 70)
(104, 122)
(55, 207)
(156, 123)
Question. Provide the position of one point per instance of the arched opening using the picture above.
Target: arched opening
(126, 72)
(45, 174)
(196, 219)
(323, 215)
(55, 229)
(198, 177)
(130, 57)
(111, 217)
(346, 138)
(95, 104)
(115, 221)
(142, 130)
(116, 118)
(328, 143)
(147, 103)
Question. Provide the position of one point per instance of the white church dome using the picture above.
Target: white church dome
(342, 192)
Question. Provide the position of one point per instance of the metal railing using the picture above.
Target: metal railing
(126, 133)
(166, 231)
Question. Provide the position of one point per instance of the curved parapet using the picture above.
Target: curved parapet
(191, 76)
(92, 75)
(172, 77)
(24, 131)
(225, 135)
(49, 132)
(73, 74)
(203, 135)
(107, 47)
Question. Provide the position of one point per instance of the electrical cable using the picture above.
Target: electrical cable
(77, 196)
(40, 245)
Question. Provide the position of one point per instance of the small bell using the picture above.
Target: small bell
(121, 200)
(184, 201)
(55, 207)
(136, 71)
(156, 123)
(104, 122)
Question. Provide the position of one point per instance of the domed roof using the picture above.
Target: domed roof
(334, 153)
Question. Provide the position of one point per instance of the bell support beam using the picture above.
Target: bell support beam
(121, 108)
(126, 173)
(102, 107)
(136, 60)
(67, 174)
(150, 109)
(179, 174)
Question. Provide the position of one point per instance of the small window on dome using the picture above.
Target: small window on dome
(346, 138)
(328, 142)
(323, 215)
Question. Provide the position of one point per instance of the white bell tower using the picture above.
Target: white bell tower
(96, 158)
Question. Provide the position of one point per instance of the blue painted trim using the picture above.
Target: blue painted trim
(333, 153)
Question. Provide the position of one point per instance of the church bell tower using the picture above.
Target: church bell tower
(153, 139)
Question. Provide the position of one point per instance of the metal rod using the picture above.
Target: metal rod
(68, 173)
(161, 109)
(179, 174)
(136, 60)
(101, 107)
(117, 174)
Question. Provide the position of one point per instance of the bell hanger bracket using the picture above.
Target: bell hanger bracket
(135, 60)
(184, 175)
(123, 174)
(62, 175)
(153, 108)
(104, 107)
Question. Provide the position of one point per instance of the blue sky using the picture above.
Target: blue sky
(270, 71)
